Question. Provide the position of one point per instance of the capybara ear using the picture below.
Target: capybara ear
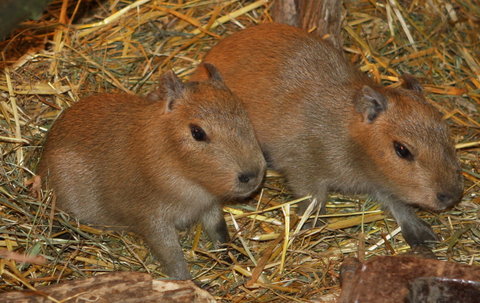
(157, 95)
(214, 74)
(174, 88)
(410, 82)
(370, 103)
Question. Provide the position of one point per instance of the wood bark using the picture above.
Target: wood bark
(321, 17)
(128, 287)
(408, 279)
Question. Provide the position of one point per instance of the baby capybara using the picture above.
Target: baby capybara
(328, 127)
(155, 167)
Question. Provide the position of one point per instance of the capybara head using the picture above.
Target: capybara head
(211, 137)
(407, 146)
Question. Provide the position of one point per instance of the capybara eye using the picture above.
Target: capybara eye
(402, 151)
(198, 133)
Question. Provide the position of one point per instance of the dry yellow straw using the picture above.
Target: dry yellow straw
(400, 18)
(13, 104)
(286, 213)
(109, 19)
(232, 15)
(467, 145)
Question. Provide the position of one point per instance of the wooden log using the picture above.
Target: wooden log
(131, 287)
(322, 17)
(408, 279)
(286, 11)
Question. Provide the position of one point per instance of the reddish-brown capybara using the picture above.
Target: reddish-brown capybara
(328, 127)
(154, 167)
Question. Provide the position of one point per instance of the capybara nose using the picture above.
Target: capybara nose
(449, 199)
(246, 177)
(248, 181)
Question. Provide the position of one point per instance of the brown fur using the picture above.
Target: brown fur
(117, 159)
(328, 127)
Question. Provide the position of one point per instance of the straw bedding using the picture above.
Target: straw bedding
(78, 48)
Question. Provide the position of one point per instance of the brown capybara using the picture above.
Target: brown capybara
(154, 167)
(328, 127)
